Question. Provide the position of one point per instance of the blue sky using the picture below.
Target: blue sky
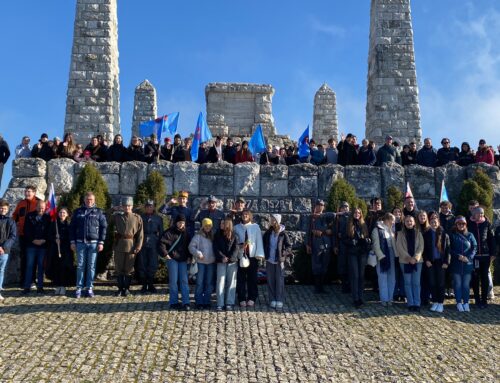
(293, 45)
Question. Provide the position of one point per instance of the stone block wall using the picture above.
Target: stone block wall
(290, 191)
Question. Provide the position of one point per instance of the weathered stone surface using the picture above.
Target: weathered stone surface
(216, 185)
(131, 175)
(328, 174)
(454, 177)
(145, 108)
(303, 170)
(13, 196)
(60, 172)
(302, 205)
(276, 205)
(108, 167)
(186, 177)
(165, 168)
(325, 124)
(270, 187)
(421, 181)
(217, 169)
(303, 186)
(392, 174)
(38, 182)
(113, 182)
(247, 179)
(492, 171)
(275, 172)
(365, 179)
(297, 239)
(28, 167)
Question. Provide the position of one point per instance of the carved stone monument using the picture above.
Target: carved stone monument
(144, 105)
(93, 96)
(325, 125)
(392, 106)
(235, 109)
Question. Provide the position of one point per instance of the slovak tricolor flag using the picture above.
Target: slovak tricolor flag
(51, 204)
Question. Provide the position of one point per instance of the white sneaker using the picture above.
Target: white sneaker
(1, 298)
(273, 304)
(440, 308)
(279, 305)
(460, 307)
(491, 295)
(434, 306)
(466, 307)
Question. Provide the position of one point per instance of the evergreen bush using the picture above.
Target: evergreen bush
(90, 179)
(343, 191)
(477, 188)
(394, 198)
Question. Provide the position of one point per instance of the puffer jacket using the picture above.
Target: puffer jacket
(462, 244)
(483, 233)
(88, 225)
(7, 233)
(201, 245)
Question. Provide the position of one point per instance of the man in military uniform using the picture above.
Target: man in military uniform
(147, 259)
(128, 242)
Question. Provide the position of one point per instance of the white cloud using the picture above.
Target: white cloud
(331, 30)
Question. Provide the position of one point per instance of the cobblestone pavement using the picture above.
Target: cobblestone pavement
(314, 339)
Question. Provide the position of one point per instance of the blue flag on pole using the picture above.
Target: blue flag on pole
(257, 144)
(304, 144)
(201, 134)
(160, 125)
(444, 193)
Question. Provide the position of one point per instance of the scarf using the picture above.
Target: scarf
(410, 243)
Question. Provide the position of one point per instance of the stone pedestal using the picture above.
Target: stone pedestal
(93, 97)
(235, 109)
(392, 105)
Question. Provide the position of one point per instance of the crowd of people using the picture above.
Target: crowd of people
(347, 152)
(418, 256)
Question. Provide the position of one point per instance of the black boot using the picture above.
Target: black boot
(317, 284)
(120, 286)
(126, 285)
(151, 287)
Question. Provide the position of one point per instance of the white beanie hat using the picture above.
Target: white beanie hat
(277, 217)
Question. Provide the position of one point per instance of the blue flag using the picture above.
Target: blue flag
(257, 144)
(304, 144)
(160, 125)
(444, 193)
(201, 134)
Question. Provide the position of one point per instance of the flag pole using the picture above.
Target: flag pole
(58, 241)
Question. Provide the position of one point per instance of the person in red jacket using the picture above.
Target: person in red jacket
(244, 154)
(484, 153)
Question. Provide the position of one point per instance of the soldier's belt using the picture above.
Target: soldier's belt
(123, 236)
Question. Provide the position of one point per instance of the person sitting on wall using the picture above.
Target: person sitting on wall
(446, 154)
(244, 154)
(318, 155)
(188, 142)
(97, 152)
(135, 152)
(152, 150)
(202, 154)
(347, 151)
(388, 152)
(23, 150)
(117, 151)
(484, 153)
(466, 156)
(427, 155)
(66, 148)
(366, 154)
(166, 150)
(331, 153)
(229, 152)
(268, 157)
(42, 149)
(215, 153)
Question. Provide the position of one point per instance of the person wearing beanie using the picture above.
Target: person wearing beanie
(409, 250)
(482, 230)
(319, 244)
(463, 247)
(226, 256)
(250, 245)
(42, 149)
(277, 248)
(147, 259)
(201, 248)
(174, 252)
(128, 241)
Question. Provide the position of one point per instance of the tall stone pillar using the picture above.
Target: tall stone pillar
(93, 97)
(144, 105)
(325, 125)
(392, 105)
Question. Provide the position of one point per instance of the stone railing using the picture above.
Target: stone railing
(290, 191)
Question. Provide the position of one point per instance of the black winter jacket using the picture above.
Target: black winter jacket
(8, 233)
(483, 233)
(88, 224)
(180, 252)
(428, 246)
(37, 229)
(228, 247)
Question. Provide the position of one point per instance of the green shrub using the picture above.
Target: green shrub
(343, 191)
(394, 198)
(153, 188)
(477, 188)
(90, 179)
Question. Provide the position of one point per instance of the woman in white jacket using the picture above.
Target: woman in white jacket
(201, 248)
(384, 246)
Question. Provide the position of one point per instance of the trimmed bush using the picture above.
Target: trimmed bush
(343, 191)
(394, 198)
(478, 188)
(153, 188)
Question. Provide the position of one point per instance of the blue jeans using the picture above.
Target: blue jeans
(412, 285)
(386, 281)
(226, 283)
(461, 287)
(3, 263)
(204, 283)
(86, 254)
(34, 254)
(177, 273)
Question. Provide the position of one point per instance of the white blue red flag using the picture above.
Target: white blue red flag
(52, 204)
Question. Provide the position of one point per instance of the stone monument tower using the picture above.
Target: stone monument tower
(144, 105)
(325, 125)
(93, 98)
(392, 105)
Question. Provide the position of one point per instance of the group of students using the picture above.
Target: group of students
(415, 253)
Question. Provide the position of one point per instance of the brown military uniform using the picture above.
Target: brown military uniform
(128, 241)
